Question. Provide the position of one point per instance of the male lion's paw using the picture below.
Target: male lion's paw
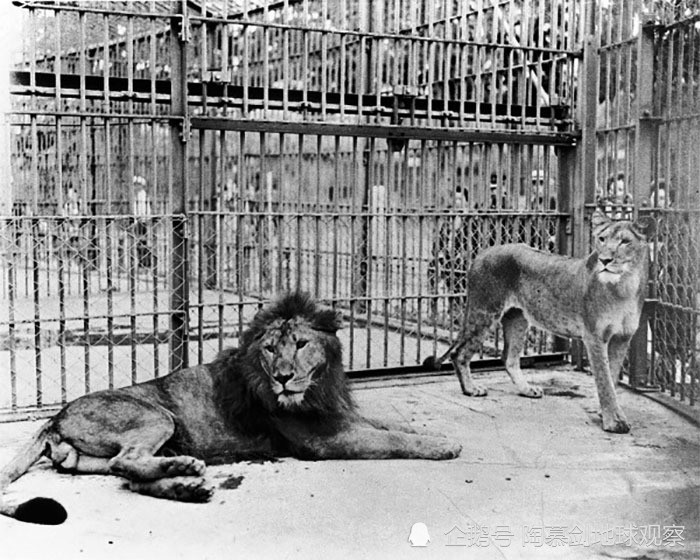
(531, 392)
(449, 450)
(192, 489)
(182, 466)
(181, 488)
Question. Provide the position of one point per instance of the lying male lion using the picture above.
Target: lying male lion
(283, 392)
(598, 299)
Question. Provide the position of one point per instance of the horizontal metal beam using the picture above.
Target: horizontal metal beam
(484, 364)
(394, 132)
(220, 94)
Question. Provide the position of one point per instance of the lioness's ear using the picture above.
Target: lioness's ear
(646, 225)
(599, 219)
(328, 321)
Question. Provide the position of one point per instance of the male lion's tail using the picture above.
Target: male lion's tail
(37, 510)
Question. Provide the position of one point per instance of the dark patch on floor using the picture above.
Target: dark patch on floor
(552, 392)
(263, 461)
(231, 483)
(556, 388)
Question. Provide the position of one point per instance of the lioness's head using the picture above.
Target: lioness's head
(297, 356)
(621, 246)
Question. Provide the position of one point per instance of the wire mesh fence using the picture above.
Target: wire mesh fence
(177, 164)
(78, 294)
(647, 133)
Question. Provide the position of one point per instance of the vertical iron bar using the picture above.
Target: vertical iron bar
(388, 181)
(222, 238)
(111, 235)
(324, 58)
(404, 261)
(241, 255)
(645, 141)
(337, 186)
(154, 223)
(202, 242)
(283, 259)
(179, 133)
(298, 210)
(317, 220)
(245, 62)
(512, 75)
(36, 281)
(262, 219)
(132, 230)
(342, 72)
(85, 225)
(355, 185)
(367, 257)
(11, 303)
(285, 63)
(523, 86)
(106, 105)
(305, 56)
(430, 51)
(266, 61)
(586, 153)
(225, 33)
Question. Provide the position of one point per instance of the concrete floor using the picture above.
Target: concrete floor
(534, 479)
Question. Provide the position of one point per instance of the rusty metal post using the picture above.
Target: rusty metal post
(179, 134)
(645, 145)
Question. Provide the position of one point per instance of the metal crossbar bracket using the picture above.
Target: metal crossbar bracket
(185, 129)
(185, 32)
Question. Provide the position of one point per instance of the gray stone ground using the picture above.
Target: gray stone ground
(534, 479)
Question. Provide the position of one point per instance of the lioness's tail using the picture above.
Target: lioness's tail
(37, 510)
(432, 363)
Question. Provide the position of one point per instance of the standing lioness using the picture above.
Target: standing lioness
(597, 299)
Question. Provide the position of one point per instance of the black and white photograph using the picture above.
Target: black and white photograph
(350, 279)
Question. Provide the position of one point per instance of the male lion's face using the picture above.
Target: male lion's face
(292, 355)
(621, 247)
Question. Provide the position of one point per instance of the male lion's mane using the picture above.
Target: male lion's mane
(243, 392)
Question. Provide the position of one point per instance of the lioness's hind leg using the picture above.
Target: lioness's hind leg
(515, 327)
(476, 325)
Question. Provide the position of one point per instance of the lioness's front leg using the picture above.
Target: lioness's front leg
(601, 365)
